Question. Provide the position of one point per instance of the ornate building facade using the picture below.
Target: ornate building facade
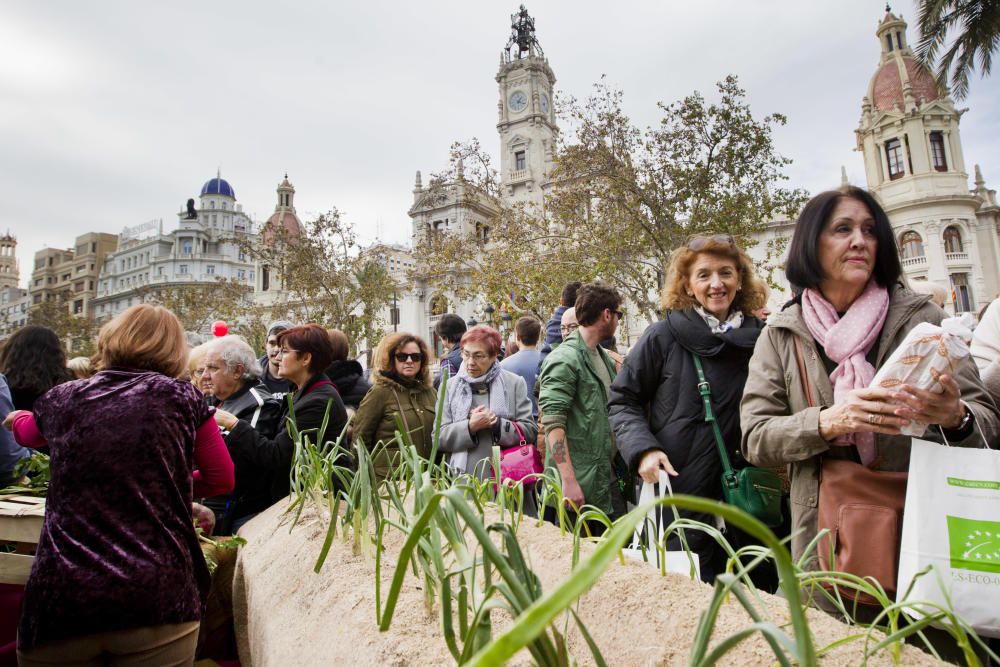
(204, 248)
(914, 163)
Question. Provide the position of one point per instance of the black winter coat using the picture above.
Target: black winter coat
(349, 377)
(256, 406)
(654, 404)
(275, 454)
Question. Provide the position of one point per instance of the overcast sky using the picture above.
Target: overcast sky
(115, 113)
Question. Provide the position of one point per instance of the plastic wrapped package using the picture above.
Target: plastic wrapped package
(927, 353)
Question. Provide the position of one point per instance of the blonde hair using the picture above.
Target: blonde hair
(388, 346)
(751, 297)
(81, 367)
(146, 337)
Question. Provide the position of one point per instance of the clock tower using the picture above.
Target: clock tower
(526, 121)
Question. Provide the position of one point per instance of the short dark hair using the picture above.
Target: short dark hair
(592, 299)
(803, 268)
(311, 338)
(568, 297)
(528, 330)
(450, 327)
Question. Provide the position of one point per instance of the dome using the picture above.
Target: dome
(887, 85)
(282, 219)
(218, 186)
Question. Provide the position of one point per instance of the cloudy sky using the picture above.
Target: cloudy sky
(113, 113)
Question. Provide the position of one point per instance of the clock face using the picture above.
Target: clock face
(518, 100)
(543, 100)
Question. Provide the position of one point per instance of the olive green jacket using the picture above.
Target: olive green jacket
(779, 427)
(571, 389)
(375, 420)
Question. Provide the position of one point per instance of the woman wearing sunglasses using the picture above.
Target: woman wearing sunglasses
(655, 406)
(401, 385)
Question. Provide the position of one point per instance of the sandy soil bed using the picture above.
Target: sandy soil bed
(286, 614)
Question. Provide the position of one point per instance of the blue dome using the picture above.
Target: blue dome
(218, 186)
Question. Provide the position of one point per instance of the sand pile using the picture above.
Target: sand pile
(286, 614)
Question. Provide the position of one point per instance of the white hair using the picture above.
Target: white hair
(234, 351)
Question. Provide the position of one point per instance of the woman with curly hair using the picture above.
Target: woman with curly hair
(401, 385)
(655, 406)
(33, 361)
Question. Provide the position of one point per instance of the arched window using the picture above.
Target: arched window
(952, 240)
(911, 245)
(439, 305)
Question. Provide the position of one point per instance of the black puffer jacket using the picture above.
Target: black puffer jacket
(655, 404)
(349, 378)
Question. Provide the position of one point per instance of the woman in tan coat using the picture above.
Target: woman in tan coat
(849, 314)
(401, 385)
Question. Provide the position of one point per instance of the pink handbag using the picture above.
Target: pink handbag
(520, 462)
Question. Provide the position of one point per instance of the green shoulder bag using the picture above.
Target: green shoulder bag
(756, 491)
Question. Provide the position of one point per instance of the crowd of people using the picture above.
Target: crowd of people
(151, 427)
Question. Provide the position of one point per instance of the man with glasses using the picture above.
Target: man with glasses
(269, 362)
(573, 400)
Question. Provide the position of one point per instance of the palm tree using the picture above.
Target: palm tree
(977, 23)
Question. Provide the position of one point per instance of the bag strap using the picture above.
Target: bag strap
(706, 397)
(803, 375)
(520, 434)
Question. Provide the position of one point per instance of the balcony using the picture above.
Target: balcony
(518, 175)
(913, 262)
(956, 257)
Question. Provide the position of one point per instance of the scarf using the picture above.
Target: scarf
(459, 400)
(847, 340)
(734, 321)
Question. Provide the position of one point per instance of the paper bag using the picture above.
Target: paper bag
(952, 521)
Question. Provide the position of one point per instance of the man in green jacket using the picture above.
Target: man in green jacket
(573, 402)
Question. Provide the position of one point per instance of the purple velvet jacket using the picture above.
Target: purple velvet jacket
(118, 548)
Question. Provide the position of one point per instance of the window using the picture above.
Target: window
(938, 160)
(911, 245)
(78, 307)
(241, 274)
(186, 247)
(519, 162)
(952, 240)
(243, 256)
(210, 269)
(265, 278)
(894, 156)
(888, 39)
(394, 316)
(182, 269)
(961, 294)
(159, 271)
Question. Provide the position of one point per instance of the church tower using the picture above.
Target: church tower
(283, 226)
(909, 136)
(526, 124)
(9, 275)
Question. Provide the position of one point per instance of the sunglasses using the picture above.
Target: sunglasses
(619, 313)
(402, 357)
(699, 242)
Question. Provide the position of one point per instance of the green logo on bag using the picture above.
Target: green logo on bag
(975, 544)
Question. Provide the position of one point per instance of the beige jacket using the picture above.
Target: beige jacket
(780, 428)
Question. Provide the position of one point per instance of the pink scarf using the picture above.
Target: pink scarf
(847, 341)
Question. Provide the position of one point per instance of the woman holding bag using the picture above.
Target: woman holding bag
(484, 406)
(656, 407)
(849, 314)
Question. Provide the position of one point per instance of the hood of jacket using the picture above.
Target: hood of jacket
(345, 373)
(692, 332)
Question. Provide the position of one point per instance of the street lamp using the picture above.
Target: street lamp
(489, 310)
(472, 322)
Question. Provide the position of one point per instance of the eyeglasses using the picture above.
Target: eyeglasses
(283, 351)
(619, 313)
(402, 357)
(699, 242)
(477, 357)
(569, 328)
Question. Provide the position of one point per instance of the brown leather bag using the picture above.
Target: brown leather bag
(863, 511)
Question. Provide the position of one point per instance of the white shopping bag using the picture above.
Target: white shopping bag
(951, 520)
(674, 561)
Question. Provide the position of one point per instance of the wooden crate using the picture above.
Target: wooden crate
(20, 523)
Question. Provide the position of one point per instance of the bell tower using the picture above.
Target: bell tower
(526, 123)
(9, 276)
